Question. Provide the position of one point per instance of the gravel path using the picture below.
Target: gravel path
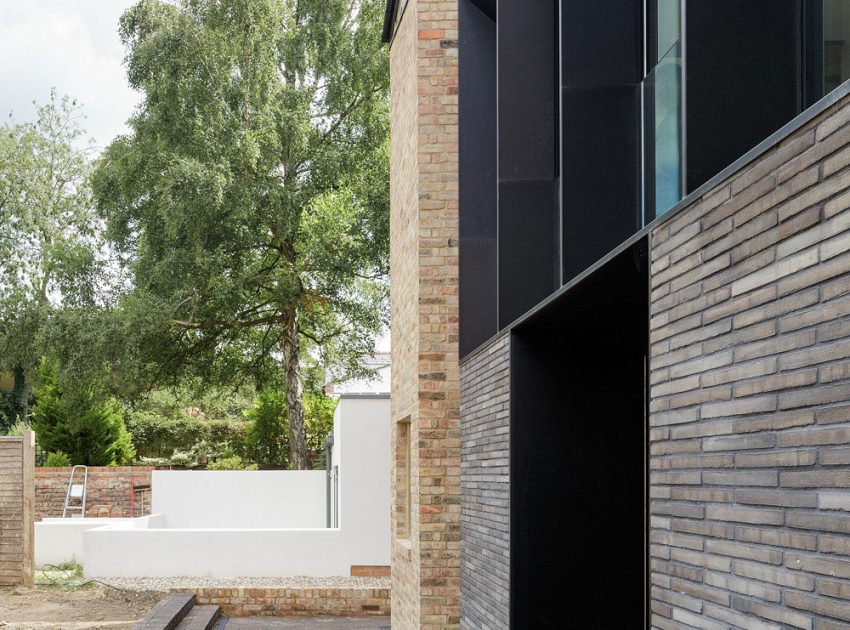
(168, 584)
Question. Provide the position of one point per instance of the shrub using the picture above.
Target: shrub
(18, 428)
(158, 437)
(319, 420)
(267, 437)
(234, 462)
(57, 460)
(89, 430)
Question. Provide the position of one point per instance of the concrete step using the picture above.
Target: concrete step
(167, 613)
(200, 618)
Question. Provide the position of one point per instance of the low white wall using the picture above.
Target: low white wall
(362, 450)
(239, 499)
(60, 540)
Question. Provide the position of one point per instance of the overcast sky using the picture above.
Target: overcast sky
(71, 45)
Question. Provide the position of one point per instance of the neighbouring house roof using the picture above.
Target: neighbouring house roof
(379, 385)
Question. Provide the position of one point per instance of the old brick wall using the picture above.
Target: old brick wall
(424, 276)
(113, 491)
(404, 169)
(17, 497)
(750, 385)
(485, 487)
(295, 602)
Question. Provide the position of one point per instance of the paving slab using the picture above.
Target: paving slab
(306, 623)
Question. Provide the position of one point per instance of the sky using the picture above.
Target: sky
(72, 45)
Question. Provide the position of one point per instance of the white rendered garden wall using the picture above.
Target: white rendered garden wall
(362, 452)
(239, 499)
(60, 540)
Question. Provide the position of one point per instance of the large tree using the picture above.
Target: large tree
(251, 196)
(48, 250)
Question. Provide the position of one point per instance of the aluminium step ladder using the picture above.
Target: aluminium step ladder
(75, 497)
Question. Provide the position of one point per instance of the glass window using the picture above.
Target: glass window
(665, 28)
(836, 43)
(662, 109)
(662, 120)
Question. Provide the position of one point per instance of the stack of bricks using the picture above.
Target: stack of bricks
(17, 457)
(424, 262)
(112, 491)
(750, 383)
(295, 602)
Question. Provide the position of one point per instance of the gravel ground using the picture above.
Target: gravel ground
(167, 584)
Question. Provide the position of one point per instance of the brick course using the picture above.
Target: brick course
(749, 422)
(424, 263)
(295, 602)
(485, 487)
(113, 491)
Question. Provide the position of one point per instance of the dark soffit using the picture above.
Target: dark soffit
(487, 6)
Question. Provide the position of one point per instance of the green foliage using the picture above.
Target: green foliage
(250, 200)
(160, 437)
(18, 428)
(88, 428)
(57, 460)
(267, 437)
(319, 418)
(49, 254)
(234, 462)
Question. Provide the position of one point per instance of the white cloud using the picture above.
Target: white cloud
(72, 45)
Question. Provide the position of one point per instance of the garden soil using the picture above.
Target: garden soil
(93, 607)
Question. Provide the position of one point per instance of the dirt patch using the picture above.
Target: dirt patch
(57, 608)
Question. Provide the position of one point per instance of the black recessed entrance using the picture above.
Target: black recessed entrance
(578, 475)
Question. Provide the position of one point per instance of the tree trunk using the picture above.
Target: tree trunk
(299, 459)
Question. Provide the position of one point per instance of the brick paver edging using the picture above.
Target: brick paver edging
(296, 602)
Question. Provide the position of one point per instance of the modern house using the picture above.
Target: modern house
(621, 313)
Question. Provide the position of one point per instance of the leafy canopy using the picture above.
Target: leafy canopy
(251, 198)
(49, 253)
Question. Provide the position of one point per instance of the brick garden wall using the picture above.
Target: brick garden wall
(113, 491)
(295, 602)
(17, 536)
(424, 263)
(750, 383)
(485, 487)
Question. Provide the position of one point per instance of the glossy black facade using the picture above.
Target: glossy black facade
(553, 129)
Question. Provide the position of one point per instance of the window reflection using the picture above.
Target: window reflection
(836, 43)
(662, 110)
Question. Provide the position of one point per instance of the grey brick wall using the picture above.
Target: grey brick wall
(750, 394)
(485, 489)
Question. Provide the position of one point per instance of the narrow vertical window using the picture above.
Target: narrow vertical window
(836, 43)
(403, 479)
(662, 109)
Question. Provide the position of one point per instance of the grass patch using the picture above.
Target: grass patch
(68, 575)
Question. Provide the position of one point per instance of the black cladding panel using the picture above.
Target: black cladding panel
(528, 158)
(478, 204)
(528, 246)
(528, 90)
(602, 68)
(601, 47)
(743, 68)
(601, 173)
(488, 7)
